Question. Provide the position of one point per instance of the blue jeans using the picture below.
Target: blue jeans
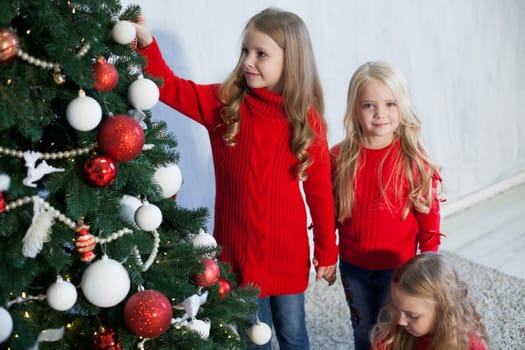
(287, 316)
(366, 292)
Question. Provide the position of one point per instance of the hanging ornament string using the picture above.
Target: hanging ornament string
(153, 255)
(57, 75)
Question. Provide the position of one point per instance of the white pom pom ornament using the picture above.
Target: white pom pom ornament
(169, 178)
(148, 217)
(123, 32)
(260, 333)
(6, 324)
(83, 113)
(105, 283)
(143, 93)
(204, 240)
(61, 295)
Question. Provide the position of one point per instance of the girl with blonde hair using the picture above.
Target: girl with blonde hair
(430, 308)
(267, 133)
(385, 189)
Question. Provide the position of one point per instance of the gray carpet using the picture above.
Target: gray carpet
(500, 299)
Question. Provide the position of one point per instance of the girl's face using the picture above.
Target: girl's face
(262, 61)
(377, 113)
(416, 315)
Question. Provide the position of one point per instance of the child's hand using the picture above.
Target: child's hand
(326, 272)
(144, 37)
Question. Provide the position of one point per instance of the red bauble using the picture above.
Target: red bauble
(107, 339)
(8, 45)
(225, 287)
(148, 314)
(121, 137)
(105, 75)
(100, 170)
(210, 275)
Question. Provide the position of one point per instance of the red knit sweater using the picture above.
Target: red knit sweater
(376, 237)
(260, 214)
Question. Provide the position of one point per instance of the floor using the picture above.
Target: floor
(491, 233)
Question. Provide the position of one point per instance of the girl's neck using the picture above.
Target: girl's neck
(378, 142)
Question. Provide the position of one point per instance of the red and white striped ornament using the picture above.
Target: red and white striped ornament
(85, 243)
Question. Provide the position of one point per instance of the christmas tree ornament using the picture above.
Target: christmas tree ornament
(201, 327)
(191, 307)
(85, 243)
(148, 314)
(61, 295)
(148, 217)
(39, 230)
(128, 207)
(121, 137)
(5, 182)
(36, 172)
(123, 32)
(6, 324)
(169, 178)
(225, 287)
(106, 339)
(100, 170)
(105, 75)
(9, 45)
(204, 240)
(143, 93)
(260, 333)
(105, 283)
(210, 275)
(83, 113)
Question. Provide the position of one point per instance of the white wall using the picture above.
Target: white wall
(464, 61)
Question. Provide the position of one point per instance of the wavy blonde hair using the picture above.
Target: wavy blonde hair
(301, 84)
(413, 164)
(430, 277)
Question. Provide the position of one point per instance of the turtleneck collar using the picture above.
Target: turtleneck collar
(266, 102)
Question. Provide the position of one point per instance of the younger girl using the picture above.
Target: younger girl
(267, 134)
(430, 309)
(385, 189)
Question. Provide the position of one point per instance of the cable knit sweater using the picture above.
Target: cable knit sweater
(260, 214)
(376, 237)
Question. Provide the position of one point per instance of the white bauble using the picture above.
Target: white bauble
(148, 217)
(83, 113)
(204, 240)
(6, 324)
(201, 327)
(169, 178)
(260, 333)
(143, 93)
(105, 283)
(61, 295)
(128, 207)
(123, 32)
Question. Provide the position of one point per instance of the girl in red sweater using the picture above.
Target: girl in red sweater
(430, 309)
(268, 136)
(385, 189)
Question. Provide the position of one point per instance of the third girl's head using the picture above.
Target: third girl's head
(379, 106)
(429, 298)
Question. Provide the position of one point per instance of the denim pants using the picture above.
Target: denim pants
(366, 292)
(287, 316)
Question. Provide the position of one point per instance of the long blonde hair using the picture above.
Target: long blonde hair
(413, 166)
(430, 277)
(301, 84)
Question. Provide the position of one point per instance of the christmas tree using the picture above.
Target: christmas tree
(95, 252)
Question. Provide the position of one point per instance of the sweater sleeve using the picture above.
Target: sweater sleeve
(318, 193)
(429, 234)
(199, 102)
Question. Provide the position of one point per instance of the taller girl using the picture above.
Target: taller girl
(385, 189)
(267, 135)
